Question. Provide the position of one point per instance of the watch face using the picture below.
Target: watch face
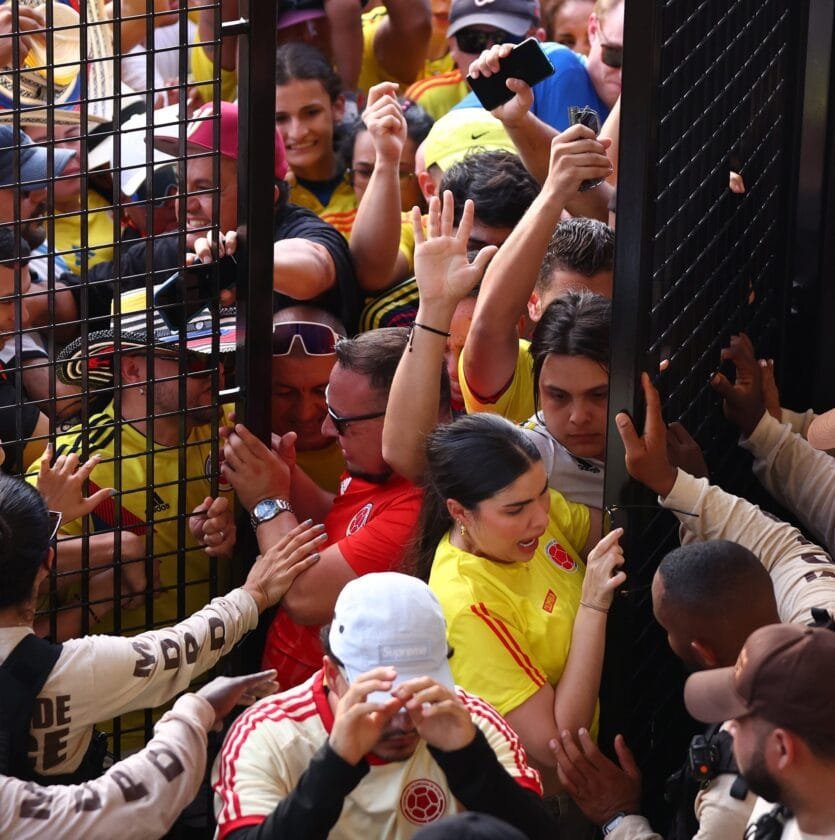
(266, 507)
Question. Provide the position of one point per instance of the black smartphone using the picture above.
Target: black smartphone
(187, 292)
(526, 61)
(588, 117)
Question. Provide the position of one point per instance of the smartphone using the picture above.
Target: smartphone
(187, 292)
(526, 61)
(588, 117)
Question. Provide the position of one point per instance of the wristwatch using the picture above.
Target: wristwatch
(612, 823)
(268, 509)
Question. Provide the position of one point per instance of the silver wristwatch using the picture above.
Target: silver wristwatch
(612, 823)
(268, 509)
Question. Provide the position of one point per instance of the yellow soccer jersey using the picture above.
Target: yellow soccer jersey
(516, 616)
(372, 72)
(438, 95)
(203, 74)
(324, 466)
(516, 401)
(341, 209)
(141, 506)
(271, 744)
(68, 239)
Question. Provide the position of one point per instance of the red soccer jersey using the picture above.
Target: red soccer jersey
(372, 525)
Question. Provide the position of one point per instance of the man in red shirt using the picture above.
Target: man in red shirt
(366, 525)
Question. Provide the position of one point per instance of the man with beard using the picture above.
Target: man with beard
(778, 697)
(377, 742)
(154, 443)
(748, 570)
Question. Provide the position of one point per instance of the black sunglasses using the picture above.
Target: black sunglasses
(342, 422)
(477, 40)
(611, 56)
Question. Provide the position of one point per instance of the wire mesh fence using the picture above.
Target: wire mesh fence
(709, 90)
(117, 347)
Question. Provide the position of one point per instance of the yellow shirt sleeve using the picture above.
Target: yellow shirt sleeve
(516, 401)
(203, 73)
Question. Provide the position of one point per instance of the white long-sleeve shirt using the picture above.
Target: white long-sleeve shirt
(99, 677)
(137, 799)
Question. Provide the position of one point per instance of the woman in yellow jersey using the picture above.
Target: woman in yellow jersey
(308, 108)
(523, 581)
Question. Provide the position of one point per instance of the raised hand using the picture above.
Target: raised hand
(386, 124)
(62, 484)
(684, 452)
(274, 571)
(603, 573)
(646, 455)
(743, 403)
(576, 156)
(513, 112)
(443, 273)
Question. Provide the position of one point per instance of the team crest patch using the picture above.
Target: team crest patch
(422, 802)
(223, 485)
(560, 556)
(359, 519)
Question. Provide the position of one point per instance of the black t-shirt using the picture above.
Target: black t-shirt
(343, 299)
(17, 421)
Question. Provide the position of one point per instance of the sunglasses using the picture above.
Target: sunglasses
(342, 422)
(53, 518)
(611, 56)
(477, 40)
(315, 339)
(196, 363)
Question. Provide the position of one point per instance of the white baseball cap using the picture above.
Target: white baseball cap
(390, 619)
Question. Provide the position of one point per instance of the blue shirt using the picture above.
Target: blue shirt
(569, 85)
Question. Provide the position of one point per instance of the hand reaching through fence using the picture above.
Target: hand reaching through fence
(646, 455)
(62, 484)
(684, 452)
(212, 524)
(224, 693)
(743, 402)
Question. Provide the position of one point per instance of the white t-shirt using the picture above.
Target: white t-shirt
(166, 60)
(578, 479)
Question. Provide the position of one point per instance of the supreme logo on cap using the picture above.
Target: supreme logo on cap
(406, 652)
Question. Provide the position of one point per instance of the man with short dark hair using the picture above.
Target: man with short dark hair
(379, 741)
(778, 697)
(370, 520)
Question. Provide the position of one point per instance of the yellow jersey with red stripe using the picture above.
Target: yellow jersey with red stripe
(340, 211)
(518, 617)
(372, 72)
(438, 95)
(515, 400)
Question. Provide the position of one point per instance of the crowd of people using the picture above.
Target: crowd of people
(434, 571)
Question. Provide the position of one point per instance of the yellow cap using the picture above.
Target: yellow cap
(461, 131)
